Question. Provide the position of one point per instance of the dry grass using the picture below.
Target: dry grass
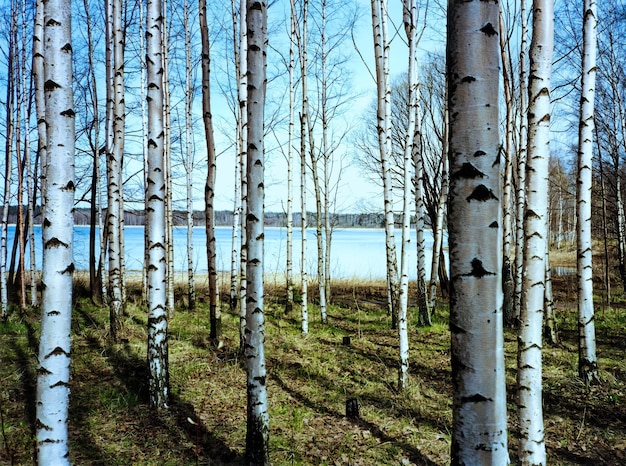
(310, 379)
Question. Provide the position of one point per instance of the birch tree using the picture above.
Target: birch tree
(410, 27)
(383, 113)
(587, 360)
(529, 365)
(53, 373)
(209, 192)
(158, 370)
(115, 153)
(479, 434)
(257, 436)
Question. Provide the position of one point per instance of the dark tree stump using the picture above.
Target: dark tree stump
(346, 341)
(352, 408)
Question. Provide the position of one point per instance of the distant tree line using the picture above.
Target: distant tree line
(225, 218)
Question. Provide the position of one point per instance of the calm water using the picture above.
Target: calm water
(356, 253)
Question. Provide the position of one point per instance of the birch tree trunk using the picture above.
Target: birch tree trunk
(257, 436)
(536, 216)
(289, 213)
(158, 370)
(40, 113)
(115, 153)
(302, 52)
(587, 360)
(475, 236)
(189, 162)
(53, 373)
(243, 166)
(410, 28)
(383, 114)
(521, 165)
(95, 214)
(441, 207)
(209, 190)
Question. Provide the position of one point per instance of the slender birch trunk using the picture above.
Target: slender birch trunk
(53, 374)
(587, 359)
(441, 208)
(521, 164)
(115, 153)
(319, 236)
(158, 377)
(289, 213)
(167, 150)
(302, 51)
(383, 114)
(95, 214)
(189, 160)
(8, 164)
(238, 38)
(40, 114)
(209, 190)
(479, 433)
(410, 28)
(529, 364)
(257, 436)
(243, 167)
(508, 284)
(549, 328)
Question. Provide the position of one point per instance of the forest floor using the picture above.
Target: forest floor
(309, 380)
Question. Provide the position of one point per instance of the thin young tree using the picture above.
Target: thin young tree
(189, 162)
(209, 190)
(479, 434)
(383, 114)
(529, 358)
(587, 360)
(115, 152)
(53, 373)
(158, 370)
(410, 27)
(257, 436)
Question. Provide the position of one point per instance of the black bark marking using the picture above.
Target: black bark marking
(68, 113)
(69, 186)
(481, 193)
(531, 214)
(51, 85)
(493, 225)
(69, 270)
(468, 172)
(454, 328)
(151, 143)
(60, 383)
(53, 22)
(475, 398)
(468, 79)
(54, 313)
(55, 243)
(154, 197)
(260, 379)
(479, 153)
(41, 425)
(478, 270)
(489, 30)
(56, 352)
(67, 48)
(46, 223)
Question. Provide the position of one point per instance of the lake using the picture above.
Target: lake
(356, 252)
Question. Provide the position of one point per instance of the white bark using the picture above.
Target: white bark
(383, 114)
(521, 164)
(243, 164)
(155, 213)
(53, 373)
(257, 437)
(189, 160)
(410, 27)
(475, 236)
(289, 213)
(587, 360)
(115, 152)
(532, 437)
